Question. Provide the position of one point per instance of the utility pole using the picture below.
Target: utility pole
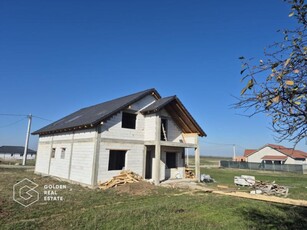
(234, 152)
(24, 159)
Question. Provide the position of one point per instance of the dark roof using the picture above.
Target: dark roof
(93, 115)
(15, 149)
(158, 105)
(178, 112)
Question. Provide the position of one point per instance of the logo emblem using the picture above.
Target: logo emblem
(24, 192)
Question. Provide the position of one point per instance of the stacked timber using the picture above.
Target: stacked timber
(125, 177)
(271, 188)
(189, 174)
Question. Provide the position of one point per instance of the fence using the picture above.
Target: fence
(261, 166)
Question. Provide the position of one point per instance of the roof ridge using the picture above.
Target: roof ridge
(90, 116)
(118, 98)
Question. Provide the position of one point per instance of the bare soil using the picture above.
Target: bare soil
(140, 188)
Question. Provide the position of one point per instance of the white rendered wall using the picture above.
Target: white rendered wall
(257, 156)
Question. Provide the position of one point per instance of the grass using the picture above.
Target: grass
(296, 182)
(208, 160)
(17, 161)
(84, 208)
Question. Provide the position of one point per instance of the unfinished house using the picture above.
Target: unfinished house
(141, 132)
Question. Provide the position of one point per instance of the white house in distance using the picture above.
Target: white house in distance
(275, 154)
(15, 153)
(141, 132)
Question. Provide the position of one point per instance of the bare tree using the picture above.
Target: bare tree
(277, 84)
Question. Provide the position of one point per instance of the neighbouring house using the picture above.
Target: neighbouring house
(141, 132)
(15, 153)
(275, 154)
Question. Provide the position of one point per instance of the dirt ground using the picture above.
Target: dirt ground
(139, 188)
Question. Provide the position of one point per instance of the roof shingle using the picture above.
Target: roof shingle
(93, 115)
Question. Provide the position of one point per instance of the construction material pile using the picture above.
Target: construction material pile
(206, 178)
(125, 177)
(189, 174)
(244, 180)
(270, 188)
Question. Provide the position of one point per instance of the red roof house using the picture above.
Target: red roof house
(276, 154)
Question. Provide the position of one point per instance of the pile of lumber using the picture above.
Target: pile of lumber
(189, 174)
(125, 177)
(271, 188)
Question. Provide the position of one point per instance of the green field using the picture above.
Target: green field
(208, 160)
(297, 183)
(159, 208)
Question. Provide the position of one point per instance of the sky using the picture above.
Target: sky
(57, 56)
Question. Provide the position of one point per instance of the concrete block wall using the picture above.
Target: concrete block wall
(134, 159)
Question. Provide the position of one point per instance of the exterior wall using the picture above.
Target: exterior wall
(173, 172)
(174, 134)
(150, 127)
(82, 162)
(77, 164)
(112, 128)
(256, 157)
(143, 103)
(134, 159)
(16, 156)
(293, 161)
(43, 154)
(190, 138)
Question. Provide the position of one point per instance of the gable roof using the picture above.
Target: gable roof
(93, 115)
(293, 153)
(178, 112)
(248, 152)
(15, 149)
(289, 151)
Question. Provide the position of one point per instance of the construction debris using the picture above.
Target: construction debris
(125, 177)
(244, 180)
(189, 174)
(206, 178)
(271, 188)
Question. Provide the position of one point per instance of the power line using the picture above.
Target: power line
(4, 126)
(23, 115)
(15, 115)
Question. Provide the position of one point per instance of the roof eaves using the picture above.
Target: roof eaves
(202, 133)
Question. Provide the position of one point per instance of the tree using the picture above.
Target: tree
(277, 84)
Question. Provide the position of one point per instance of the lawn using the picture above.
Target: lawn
(208, 160)
(161, 208)
(297, 183)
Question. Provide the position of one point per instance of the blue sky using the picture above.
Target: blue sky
(59, 56)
